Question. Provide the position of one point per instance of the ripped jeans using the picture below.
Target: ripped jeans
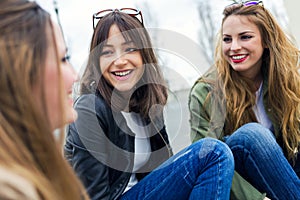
(204, 170)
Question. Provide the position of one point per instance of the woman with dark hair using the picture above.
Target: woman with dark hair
(118, 146)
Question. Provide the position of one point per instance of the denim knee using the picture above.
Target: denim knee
(252, 135)
(208, 146)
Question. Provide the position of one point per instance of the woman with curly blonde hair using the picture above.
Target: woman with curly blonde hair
(251, 99)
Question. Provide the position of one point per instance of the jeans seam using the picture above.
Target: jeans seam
(150, 193)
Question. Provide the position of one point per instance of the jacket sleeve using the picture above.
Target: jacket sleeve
(199, 118)
(85, 149)
(201, 126)
(243, 190)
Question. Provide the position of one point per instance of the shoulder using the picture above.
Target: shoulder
(93, 104)
(204, 83)
(200, 86)
(94, 118)
(89, 100)
(14, 186)
(200, 89)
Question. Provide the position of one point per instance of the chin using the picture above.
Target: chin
(126, 90)
(125, 87)
(71, 116)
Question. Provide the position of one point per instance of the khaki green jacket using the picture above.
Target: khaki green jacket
(206, 121)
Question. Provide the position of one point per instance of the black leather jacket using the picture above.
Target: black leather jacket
(100, 147)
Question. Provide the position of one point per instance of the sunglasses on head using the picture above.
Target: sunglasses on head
(130, 11)
(248, 3)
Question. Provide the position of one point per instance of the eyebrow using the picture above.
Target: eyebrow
(123, 44)
(242, 33)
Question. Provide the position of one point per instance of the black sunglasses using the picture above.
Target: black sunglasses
(130, 11)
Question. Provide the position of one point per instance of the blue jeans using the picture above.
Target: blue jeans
(261, 161)
(203, 170)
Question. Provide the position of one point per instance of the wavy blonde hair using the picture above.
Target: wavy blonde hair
(27, 143)
(280, 63)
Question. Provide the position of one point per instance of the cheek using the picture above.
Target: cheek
(136, 59)
(51, 81)
(141, 71)
(52, 100)
(225, 52)
(52, 90)
(104, 70)
(259, 47)
(104, 64)
(69, 76)
(140, 63)
(225, 48)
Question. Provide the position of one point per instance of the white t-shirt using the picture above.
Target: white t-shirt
(141, 144)
(259, 110)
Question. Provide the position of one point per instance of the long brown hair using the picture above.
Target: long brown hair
(151, 89)
(27, 144)
(281, 66)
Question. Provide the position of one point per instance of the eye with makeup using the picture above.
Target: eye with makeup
(246, 37)
(128, 50)
(227, 39)
(130, 47)
(106, 51)
(66, 58)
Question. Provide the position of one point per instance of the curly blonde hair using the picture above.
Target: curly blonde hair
(280, 63)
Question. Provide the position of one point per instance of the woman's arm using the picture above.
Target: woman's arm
(199, 118)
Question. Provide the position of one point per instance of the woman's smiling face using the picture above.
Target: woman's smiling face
(51, 82)
(242, 45)
(121, 61)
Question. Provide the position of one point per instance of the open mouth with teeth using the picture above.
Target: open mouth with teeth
(122, 75)
(238, 58)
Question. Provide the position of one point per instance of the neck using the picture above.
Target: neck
(126, 96)
(257, 81)
(253, 81)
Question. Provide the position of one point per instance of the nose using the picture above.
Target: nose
(235, 45)
(120, 60)
(74, 73)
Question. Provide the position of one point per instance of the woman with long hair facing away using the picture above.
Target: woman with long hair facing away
(118, 146)
(35, 82)
(251, 100)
